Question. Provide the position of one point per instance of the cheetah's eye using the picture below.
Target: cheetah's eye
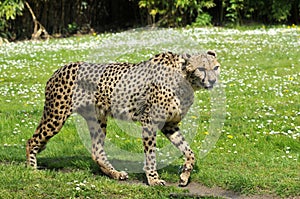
(216, 67)
(201, 69)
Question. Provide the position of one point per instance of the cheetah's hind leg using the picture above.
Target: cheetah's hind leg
(49, 126)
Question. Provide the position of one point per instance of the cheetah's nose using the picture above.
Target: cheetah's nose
(212, 81)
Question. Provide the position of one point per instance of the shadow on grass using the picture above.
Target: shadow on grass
(71, 163)
(13, 154)
(68, 164)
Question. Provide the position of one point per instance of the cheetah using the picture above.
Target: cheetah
(156, 93)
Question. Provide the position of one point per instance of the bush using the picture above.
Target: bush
(268, 11)
(9, 9)
(175, 13)
(203, 19)
(280, 10)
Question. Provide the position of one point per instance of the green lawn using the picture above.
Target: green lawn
(258, 148)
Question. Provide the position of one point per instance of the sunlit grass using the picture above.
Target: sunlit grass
(258, 150)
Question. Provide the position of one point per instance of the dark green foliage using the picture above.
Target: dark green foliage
(9, 9)
(174, 13)
(184, 12)
(266, 11)
(65, 17)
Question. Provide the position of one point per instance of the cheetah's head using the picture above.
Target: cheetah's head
(202, 70)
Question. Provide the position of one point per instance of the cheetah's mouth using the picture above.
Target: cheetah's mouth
(204, 86)
(208, 87)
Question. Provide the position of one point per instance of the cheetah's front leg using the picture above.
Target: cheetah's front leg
(98, 133)
(149, 141)
(173, 134)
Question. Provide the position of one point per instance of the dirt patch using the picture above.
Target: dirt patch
(198, 190)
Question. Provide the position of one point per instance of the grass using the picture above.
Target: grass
(258, 149)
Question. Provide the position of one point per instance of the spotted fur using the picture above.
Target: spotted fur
(157, 93)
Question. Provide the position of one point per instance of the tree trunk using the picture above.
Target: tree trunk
(295, 15)
(38, 30)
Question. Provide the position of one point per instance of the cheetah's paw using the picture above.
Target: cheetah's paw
(122, 175)
(157, 182)
(184, 179)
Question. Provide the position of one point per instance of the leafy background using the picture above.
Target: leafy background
(66, 17)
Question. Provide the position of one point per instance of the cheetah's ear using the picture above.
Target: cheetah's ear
(186, 57)
(211, 52)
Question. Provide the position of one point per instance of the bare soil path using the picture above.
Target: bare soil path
(197, 190)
